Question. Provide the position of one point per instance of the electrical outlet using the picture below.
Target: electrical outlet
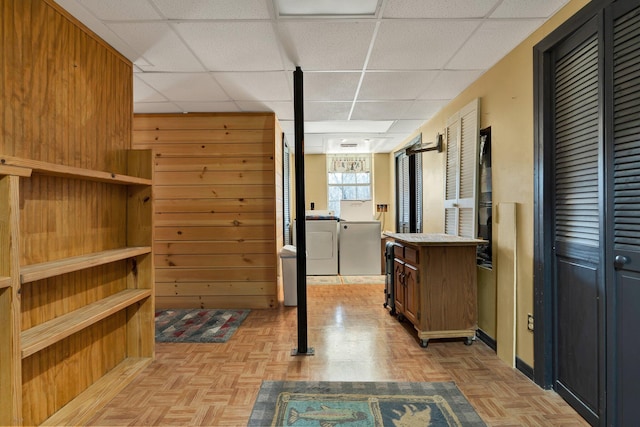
(530, 321)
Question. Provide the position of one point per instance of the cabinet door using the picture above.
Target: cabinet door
(398, 288)
(412, 290)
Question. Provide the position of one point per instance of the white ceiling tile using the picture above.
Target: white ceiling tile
(378, 110)
(488, 45)
(209, 107)
(438, 8)
(326, 45)
(144, 93)
(405, 126)
(423, 110)
(317, 111)
(330, 86)
(283, 110)
(406, 110)
(450, 83)
(255, 86)
(185, 86)
(395, 85)
(218, 9)
(233, 46)
(347, 126)
(413, 45)
(528, 8)
(159, 46)
(121, 10)
(156, 107)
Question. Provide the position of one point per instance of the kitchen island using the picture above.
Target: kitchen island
(435, 284)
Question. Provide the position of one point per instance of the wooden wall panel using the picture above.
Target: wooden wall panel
(66, 99)
(217, 191)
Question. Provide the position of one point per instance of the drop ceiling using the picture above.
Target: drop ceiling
(372, 76)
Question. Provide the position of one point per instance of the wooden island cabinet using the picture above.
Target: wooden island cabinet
(435, 284)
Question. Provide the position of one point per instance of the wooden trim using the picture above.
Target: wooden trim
(489, 341)
(524, 368)
(53, 169)
(15, 171)
(45, 270)
(48, 333)
(80, 410)
(10, 315)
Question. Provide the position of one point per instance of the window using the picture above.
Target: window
(349, 178)
(409, 190)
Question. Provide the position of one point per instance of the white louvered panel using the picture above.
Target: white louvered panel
(451, 221)
(466, 222)
(462, 167)
(468, 154)
(451, 189)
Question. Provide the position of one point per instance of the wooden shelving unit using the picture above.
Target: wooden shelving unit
(5, 282)
(48, 333)
(135, 301)
(44, 270)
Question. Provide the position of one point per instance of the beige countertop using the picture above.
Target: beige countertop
(428, 239)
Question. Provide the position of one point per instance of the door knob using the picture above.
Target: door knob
(620, 261)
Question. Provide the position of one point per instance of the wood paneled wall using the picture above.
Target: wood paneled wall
(66, 99)
(217, 207)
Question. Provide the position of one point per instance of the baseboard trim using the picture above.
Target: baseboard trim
(524, 368)
(482, 336)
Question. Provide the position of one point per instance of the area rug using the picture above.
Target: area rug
(197, 325)
(361, 404)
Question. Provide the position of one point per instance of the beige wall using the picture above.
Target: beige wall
(506, 93)
(315, 171)
(315, 180)
(382, 186)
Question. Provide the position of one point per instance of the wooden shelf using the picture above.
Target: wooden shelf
(31, 273)
(48, 333)
(53, 169)
(5, 282)
(80, 410)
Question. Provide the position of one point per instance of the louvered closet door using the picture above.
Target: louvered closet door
(626, 209)
(577, 238)
(460, 204)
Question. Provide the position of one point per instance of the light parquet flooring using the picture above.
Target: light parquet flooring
(354, 338)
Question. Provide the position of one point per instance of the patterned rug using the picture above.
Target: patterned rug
(361, 404)
(197, 325)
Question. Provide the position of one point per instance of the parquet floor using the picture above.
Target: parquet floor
(354, 338)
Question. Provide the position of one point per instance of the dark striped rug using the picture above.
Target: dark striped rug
(197, 325)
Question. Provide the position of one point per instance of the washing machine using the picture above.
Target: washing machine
(322, 245)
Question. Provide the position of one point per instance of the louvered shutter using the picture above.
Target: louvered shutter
(418, 198)
(627, 134)
(451, 177)
(403, 193)
(463, 131)
(576, 148)
(286, 189)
